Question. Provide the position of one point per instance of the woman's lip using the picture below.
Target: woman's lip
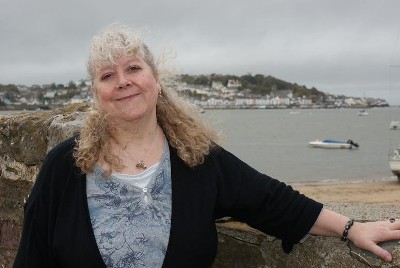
(127, 97)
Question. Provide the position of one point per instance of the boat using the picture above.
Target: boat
(294, 112)
(333, 144)
(363, 112)
(394, 162)
(394, 125)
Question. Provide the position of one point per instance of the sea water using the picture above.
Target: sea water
(275, 142)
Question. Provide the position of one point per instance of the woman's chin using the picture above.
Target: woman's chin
(130, 115)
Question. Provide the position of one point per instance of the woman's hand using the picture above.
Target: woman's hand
(368, 235)
(363, 235)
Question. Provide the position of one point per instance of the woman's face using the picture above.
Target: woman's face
(127, 90)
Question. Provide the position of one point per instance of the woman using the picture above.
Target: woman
(145, 180)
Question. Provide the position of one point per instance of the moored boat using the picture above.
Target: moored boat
(394, 125)
(394, 162)
(333, 144)
(363, 112)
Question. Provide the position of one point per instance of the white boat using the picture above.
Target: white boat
(363, 112)
(394, 162)
(333, 144)
(294, 112)
(394, 125)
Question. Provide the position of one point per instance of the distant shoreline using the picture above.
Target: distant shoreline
(50, 108)
(286, 108)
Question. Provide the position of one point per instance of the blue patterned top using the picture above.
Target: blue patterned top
(131, 224)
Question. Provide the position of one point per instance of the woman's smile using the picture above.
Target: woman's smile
(128, 97)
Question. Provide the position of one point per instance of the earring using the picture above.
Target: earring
(160, 94)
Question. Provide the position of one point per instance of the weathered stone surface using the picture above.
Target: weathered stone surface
(242, 246)
(64, 126)
(23, 137)
(11, 169)
(24, 141)
(26, 138)
(9, 233)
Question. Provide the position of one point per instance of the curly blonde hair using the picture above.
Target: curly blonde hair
(180, 120)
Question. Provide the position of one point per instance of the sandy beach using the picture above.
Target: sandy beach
(374, 192)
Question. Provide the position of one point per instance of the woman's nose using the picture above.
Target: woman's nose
(123, 81)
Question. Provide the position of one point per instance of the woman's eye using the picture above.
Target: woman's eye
(105, 77)
(133, 68)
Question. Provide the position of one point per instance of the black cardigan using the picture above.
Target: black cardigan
(57, 231)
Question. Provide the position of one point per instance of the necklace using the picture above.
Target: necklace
(141, 164)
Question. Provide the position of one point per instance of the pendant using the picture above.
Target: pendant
(141, 165)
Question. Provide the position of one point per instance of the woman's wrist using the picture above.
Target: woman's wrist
(330, 223)
(346, 230)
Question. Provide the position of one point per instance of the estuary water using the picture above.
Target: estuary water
(275, 142)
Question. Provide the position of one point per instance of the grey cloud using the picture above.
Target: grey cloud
(338, 46)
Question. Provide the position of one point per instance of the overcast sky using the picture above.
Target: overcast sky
(338, 46)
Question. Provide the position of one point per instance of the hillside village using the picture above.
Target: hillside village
(228, 96)
(215, 95)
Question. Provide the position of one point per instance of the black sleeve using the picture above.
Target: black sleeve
(40, 213)
(262, 202)
(33, 248)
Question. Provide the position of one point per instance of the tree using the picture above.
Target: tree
(82, 84)
(9, 88)
(40, 96)
(10, 91)
(72, 85)
(201, 80)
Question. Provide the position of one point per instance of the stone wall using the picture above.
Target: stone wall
(24, 141)
(26, 138)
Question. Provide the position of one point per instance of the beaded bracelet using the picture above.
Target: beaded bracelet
(346, 229)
